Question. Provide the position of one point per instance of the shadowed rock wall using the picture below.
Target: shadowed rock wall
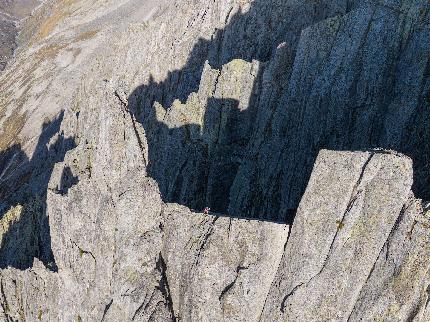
(157, 108)
(252, 130)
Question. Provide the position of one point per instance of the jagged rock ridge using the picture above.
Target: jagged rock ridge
(144, 116)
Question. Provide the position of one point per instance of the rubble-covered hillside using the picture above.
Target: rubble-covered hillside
(12, 16)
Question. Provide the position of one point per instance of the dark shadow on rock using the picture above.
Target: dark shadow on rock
(23, 193)
(261, 29)
(191, 167)
(196, 172)
(68, 180)
(207, 169)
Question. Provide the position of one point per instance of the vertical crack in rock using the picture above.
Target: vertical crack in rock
(427, 291)
(354, 195)
(82, 251)
(367, 278)
(284, 300)
(107, 307)
(399, 219)
(122, 97)
(205, 240)
(164, 287)
(283, 303)
(229, 286)
(142, 307)
(386, 247)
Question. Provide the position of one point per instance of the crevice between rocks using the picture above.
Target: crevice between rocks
(164, 287)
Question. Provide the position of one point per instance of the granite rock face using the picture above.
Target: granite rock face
(303, 125)
(354, 251)
(359, 81)
(358, 250)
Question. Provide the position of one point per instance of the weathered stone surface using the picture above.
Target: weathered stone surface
(352, 204)
(219, 268)
(121, 120)
(358, 249)
(398, 285)
(358, 81)
(30, 295)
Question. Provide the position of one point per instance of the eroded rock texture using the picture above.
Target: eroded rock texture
(345, 258)
(303, 125)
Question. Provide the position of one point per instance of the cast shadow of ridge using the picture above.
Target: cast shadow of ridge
(195, 171)
(195, 165)
(25, 233)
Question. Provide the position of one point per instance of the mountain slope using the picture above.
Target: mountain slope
(122, 120)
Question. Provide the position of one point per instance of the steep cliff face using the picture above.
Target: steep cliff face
(121, 120)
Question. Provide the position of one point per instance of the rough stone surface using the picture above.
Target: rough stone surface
(346, 223)
(120, 121)
(219, 268)
(358, 81)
